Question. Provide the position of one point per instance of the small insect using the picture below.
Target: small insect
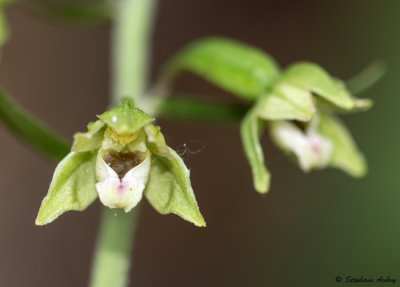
(193, 147)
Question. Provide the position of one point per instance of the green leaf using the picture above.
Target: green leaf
(31, 129)
(286, 102)
(90, 140)
(85, 13)
(125, 119)
(72, 187)
(169, 189)
(313, 78)
(155, 140)
(201, 110)
(250, 131)
(346, 155)
(236, 67)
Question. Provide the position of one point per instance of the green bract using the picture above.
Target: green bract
(120, 157)
(299, 111)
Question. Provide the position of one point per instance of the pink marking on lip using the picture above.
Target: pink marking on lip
(315, 147)
(121, 187)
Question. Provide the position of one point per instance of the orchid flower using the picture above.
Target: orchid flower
(122, 156)
(299, 110)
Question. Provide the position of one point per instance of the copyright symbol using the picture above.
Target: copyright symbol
(338, 279)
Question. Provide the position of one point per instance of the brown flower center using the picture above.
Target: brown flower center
(122, 162)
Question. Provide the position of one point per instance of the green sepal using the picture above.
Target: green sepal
(250, 130)
(90, 140)
(359, 104)
(72, 187)
(286, 102)
(125, 119)
(236, 67)
(345, 154)
(155, 140)
(313, 78)
(169, 189)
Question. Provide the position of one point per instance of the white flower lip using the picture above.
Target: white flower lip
(311, 149)
(121, 193)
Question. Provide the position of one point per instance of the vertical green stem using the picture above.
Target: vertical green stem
(131, 47)
(131, 37)
(112, 259)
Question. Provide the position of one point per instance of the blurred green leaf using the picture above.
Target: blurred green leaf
(78, 12)
(201, 110)
(169, 189)
(238, 68)
(72, 187)
(30, 129)
(346, 155)
(250, 131)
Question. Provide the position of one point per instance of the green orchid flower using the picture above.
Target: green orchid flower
(122, 156)
(299, 110)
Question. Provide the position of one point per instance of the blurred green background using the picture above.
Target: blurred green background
(307, 231)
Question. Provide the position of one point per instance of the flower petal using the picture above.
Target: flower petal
(311, 149)
(90, 140)
(125, 193)
(346, 155)
(140, 172)
(103, 170)
(286, 102)
(156, 141)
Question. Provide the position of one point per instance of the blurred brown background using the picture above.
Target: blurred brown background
(305, 232)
